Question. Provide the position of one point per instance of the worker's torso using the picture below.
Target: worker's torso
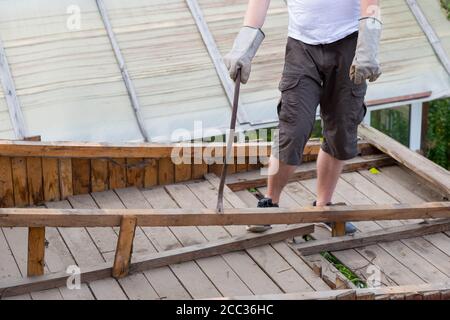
(322, 21)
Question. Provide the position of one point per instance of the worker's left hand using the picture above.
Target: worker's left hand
(365, 64)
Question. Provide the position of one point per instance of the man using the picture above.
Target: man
(331, 51)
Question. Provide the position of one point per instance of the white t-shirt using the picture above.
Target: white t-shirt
(322, 21)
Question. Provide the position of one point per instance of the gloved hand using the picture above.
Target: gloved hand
(244, 49)
(365, 64)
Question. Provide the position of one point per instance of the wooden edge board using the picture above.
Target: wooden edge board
(423, 167)
(254, 179)
(66, 149)
(372, 237)
(384, 292)
(39, 217)
(10, 287)
(124, 247)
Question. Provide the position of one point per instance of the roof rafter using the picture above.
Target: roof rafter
(9, 88)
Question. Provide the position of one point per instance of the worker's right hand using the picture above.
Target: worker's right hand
(244, 49)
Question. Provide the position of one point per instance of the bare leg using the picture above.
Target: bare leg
(328, 172)
(279, 174)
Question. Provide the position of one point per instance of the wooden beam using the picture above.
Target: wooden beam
(10, 287)
(93, 150)
(338, 229)
(384, 292)
(216, 57)
(9, 89)
(373, 237)
(36, 251)
(430, 34)
(38, 217)
(124, 248)
(123, 70)
(428, 170)
(405, 98)
(254, 179)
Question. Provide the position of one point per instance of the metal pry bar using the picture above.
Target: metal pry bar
(219, 208)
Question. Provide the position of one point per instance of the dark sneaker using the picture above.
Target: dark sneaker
(349, 227)
(263, 203)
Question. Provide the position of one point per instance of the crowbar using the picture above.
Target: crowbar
(237, 88)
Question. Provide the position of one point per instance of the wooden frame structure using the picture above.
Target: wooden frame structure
(436, 291)
(34, 171)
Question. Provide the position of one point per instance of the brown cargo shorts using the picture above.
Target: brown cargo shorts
(313, 75)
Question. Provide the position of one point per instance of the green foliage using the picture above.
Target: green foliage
(438, 135)
(446, 5)
(349, 274)
(346, 272)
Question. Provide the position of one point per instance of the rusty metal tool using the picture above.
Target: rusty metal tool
(237, 88)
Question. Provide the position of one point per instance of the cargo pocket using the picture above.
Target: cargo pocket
(360, 107)
(289, 98)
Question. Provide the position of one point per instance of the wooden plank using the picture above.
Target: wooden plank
(36, 251)
(117, 173)
(199, 170)
(216, 268)
(111, 200)
(37, 217)
(123, 70)
(304, 193)
(183, 172)
(408, 98)
(338, 229)
(99, 175)
(122, 258)
(373, 237)
(300, 196)
(50, 173)
(151, 173)
(12, 100)
(253, 179)
(135, 172)
(93, 150)
(271, 258)
(431, 172)
(163, 279)
(65, 178)
(6, 183)
(105, 239)
(35, 180)
(413, 183)
(18, 244)
(381, 292)
(166, 171)
(412, 262)
(244, 262)
(141, 263)
(189, 273)
(136, 286)
(86, 254)
(81, 176)
(20, 183)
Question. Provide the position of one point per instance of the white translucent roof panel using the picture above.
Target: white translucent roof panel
(435, 14)
(170, 67)
(68, 81)
(409, 63)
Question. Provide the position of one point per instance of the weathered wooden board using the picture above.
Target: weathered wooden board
(37, 217)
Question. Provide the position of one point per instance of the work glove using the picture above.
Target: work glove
(365, 64)
(244, 49)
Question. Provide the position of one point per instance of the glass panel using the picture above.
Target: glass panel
(395, 122)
